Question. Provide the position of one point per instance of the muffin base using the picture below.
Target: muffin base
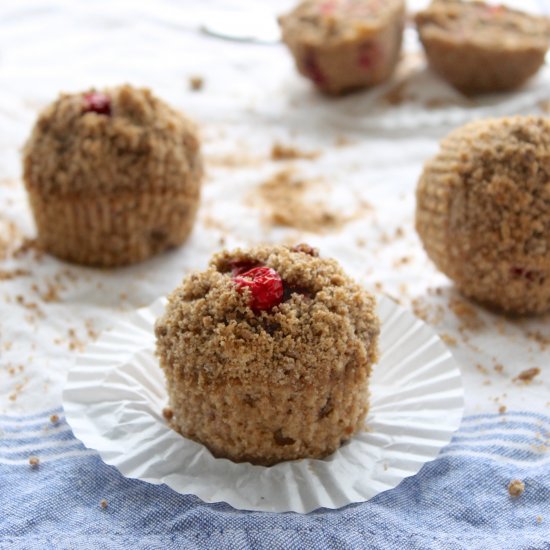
(112, 230)
(473, 70)
(297, 423)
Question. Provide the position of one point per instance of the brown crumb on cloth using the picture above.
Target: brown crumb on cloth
(286, 200)
(13, 274)
(527, 376)
(196, 83)
(34, 461)
(516, 488)
(103, 503)
(289, 152)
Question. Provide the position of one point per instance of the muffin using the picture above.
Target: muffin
(481, 48)
(483, 212)
(342, 45)
(113, 176)
(267, 355)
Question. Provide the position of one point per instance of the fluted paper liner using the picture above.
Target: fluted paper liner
(115, 394)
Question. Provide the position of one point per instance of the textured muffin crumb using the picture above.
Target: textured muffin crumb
(281, 384)
(483, 212)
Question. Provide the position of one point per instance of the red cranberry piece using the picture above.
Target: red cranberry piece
(97, 102)
(266, 287)
(312, 69)
(327, 7)
(368, 55)
(521, 272)
(495, 10)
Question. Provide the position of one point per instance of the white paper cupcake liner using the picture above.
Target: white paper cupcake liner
(115, 394)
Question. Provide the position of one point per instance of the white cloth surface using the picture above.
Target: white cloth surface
(371, 152)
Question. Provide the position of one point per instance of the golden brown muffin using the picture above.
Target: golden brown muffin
(483, 212)
(113, 177)
(267, 355)
(480, 48)
(343, 45)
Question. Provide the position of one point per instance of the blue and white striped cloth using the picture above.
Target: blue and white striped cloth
(459, 501)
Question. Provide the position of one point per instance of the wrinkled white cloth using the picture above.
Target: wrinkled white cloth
(371, 152)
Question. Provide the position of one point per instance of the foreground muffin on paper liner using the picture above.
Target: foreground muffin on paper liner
(483, 212)
(481, 48)
(343, 45)
(267, 355)
(113, 177)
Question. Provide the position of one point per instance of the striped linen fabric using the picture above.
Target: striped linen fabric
(71, 499)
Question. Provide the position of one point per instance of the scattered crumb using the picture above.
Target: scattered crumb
(289, 152)
(482, 369)
(285, 202)
(34, 461)
(543, 340)
(26, 246)
(527, 375)
(516, 488)
(54, 419)
(103, 503)
(431, 314)
(539, 519)
(396, 95)
(168, 413)
(502, 409)
(342, 141)
(448, 339)
(91, 332)
(234, 160)
(75, 344)
(8, 275)
(196, 83)
(499, 368)
(467, 315)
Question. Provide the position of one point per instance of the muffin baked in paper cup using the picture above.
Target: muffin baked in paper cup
(115, 394)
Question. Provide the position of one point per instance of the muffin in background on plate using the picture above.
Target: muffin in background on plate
(481, 48)
(113, 176)
(483, 212)
(343, 45)
(267, 355)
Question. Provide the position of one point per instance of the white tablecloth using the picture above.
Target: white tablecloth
(371, 153)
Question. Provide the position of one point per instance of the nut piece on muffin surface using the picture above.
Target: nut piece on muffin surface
(277, 369)
(482, 48)
(483, 212)
(113, 176)
(344, 45)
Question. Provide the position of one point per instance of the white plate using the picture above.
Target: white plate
(115, 394)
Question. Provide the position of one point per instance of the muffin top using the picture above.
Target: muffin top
(498, 171)
(121, 139)
(482, 24)
(327, 22)
(272, 315)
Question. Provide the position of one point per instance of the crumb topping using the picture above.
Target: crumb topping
(483, 24)
(144, 145)
(483, 212)
(325, 22)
